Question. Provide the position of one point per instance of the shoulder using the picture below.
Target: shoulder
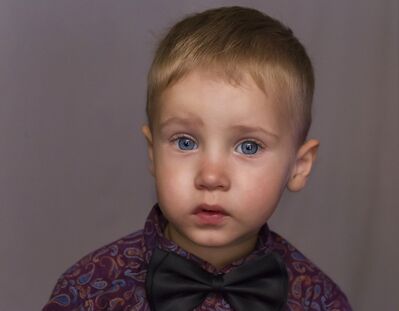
(309, 286)
(102, 278)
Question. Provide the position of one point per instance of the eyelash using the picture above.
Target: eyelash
(175, 139)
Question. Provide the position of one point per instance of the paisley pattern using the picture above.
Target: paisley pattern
(113, 277)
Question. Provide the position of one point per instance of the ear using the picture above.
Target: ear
(305, 159)
(148, 136)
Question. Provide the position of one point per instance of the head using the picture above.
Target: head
(229, 109)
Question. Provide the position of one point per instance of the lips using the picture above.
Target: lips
(210, 214)
(210, 209)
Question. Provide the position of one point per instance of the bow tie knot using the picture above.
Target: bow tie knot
(174, 283)
(217, 283)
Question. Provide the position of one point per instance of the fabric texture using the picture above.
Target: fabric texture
(113, 277)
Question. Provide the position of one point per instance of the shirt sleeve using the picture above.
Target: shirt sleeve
(329, 297)
(70, 291)
(111, 278)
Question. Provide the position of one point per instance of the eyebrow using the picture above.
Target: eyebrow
(181, 121)
(254, 129)
(197, 121)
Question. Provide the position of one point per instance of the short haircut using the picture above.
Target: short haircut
(233, 41)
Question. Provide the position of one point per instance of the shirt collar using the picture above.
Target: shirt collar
(154, 237)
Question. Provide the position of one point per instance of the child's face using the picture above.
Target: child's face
(220, 158)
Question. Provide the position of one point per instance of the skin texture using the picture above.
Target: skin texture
(218, 144)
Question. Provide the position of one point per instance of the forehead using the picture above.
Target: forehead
(200, 88)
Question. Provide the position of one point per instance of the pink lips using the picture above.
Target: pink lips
(210, 214)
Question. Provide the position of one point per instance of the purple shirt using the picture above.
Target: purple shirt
(113, 277)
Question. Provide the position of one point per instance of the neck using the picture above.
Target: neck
(216, 256)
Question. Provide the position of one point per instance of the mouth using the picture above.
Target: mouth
(210, 214)
(210, 209)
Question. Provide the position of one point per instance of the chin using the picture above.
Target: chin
(211, 240)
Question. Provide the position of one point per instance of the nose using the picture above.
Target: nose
(213, 175)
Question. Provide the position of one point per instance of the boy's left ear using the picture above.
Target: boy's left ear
(305, 158)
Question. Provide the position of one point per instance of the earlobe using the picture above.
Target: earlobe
(148, 136)
(305, 159)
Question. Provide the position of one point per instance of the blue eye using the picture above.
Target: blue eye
(248, 147)
(185, 143)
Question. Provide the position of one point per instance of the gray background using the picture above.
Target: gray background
(73, 168)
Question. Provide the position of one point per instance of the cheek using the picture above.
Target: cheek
(262, 188)
(260, 204)
(172, 178)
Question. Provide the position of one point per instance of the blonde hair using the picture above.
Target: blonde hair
(233, 41)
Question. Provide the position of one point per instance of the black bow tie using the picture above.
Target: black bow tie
(176, 284)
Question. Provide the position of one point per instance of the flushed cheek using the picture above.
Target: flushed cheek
(263, 194)
(173, 184)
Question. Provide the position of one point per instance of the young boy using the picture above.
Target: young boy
(229, 109)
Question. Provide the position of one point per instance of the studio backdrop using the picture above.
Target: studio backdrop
(73, 168)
